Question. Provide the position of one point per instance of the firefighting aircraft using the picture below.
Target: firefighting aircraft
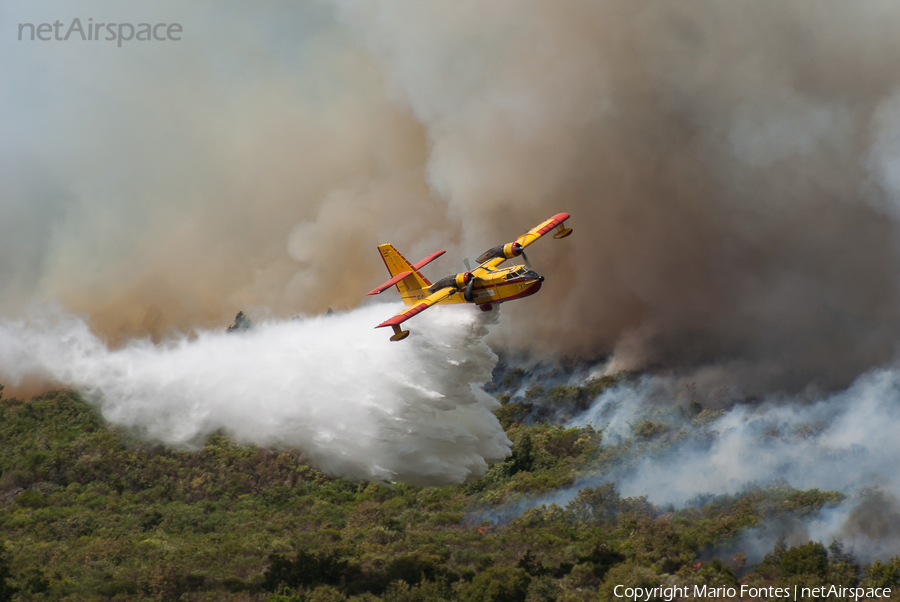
(484, 286)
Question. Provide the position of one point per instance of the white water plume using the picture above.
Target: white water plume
(357, 404)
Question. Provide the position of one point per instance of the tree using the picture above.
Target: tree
(7, 591)
(883, 574)
(807, 559)
(498, 584)
(595, 503)
(522, 458)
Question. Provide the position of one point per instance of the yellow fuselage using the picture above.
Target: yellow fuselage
(499, 285)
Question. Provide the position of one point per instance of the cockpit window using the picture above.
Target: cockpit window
(521, 272)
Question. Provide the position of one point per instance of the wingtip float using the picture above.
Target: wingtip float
(484, 286)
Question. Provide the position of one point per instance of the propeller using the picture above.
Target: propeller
(470, 284)
(467, 294)
(509, 250)
(517, 249)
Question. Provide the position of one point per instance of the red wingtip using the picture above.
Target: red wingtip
(399, 318)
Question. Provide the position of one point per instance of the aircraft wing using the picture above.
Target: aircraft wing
(541, 229)
(419, 307)
(484, 272)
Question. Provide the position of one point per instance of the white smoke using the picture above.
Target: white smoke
(357, 404)
(844, 442)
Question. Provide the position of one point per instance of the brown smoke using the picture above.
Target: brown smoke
(729, 168)
(723, 164)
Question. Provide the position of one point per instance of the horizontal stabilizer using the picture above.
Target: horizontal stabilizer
(389, 283)
(428, 259)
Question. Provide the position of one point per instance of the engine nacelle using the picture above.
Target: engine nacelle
(507, 251)
(457, 281)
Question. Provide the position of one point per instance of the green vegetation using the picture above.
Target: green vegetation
(553, 404)
(91, 513)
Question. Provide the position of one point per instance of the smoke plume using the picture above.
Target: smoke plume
(843, 442)
(358, 405)
(731, 170)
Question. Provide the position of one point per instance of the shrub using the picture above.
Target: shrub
(807, 559)
(498, 584)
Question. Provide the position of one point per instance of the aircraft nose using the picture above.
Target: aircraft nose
(540, 278)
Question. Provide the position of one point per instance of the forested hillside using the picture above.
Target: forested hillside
(91, 513)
